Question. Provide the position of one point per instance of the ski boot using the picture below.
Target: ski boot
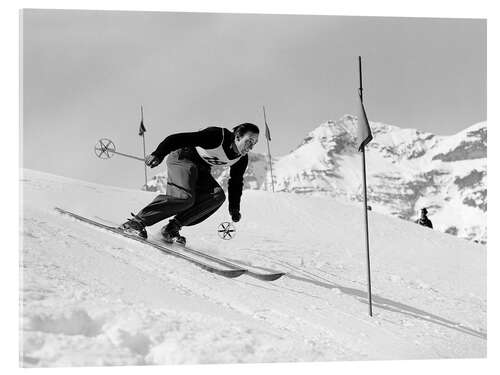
(135, 227)
(170, 233)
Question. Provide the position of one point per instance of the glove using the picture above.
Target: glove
(152, 161)
(235, 215)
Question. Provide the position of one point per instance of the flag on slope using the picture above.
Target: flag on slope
(142, 128)
(364, 133)
(268, 134)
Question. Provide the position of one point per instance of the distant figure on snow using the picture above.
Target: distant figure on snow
(192, 194)
(424, 220)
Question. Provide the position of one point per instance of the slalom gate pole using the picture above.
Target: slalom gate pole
(367, 238)
(269, 151)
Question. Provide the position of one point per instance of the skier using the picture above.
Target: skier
(192, 194)
(424, 220)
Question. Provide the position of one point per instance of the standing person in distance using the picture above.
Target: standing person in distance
(192, 194)
(424, 220)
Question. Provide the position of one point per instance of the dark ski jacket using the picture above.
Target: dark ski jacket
(210, 138)
(424, 221)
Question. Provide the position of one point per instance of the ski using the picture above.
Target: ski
(265, 276)
(258, 275)
(229, 271)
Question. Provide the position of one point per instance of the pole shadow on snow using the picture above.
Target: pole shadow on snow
(393, 306)
(377, 301)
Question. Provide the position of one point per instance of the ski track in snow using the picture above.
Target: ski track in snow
(93, 298)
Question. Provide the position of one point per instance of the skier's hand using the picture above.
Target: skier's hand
(235, 215)
(152, 161)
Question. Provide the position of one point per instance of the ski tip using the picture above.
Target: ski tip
(271, 276)
(63, 211)
(233, 273)
(277, 276)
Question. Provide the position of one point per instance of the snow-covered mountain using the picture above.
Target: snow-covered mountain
(89, 297)
(406, 170)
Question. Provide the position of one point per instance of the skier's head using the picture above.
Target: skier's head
(246, 137)
(423, 212)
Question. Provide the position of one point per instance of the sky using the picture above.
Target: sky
(85, 75)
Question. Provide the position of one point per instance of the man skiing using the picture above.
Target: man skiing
(192, 194)
(424, 220)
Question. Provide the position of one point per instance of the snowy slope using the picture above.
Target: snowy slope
(92, 298)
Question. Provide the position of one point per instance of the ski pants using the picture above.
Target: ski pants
(192, 194)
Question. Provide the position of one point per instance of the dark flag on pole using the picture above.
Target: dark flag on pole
(142, 129)
(268, 134)
(364, 132)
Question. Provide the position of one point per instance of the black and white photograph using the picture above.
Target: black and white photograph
(225, 188)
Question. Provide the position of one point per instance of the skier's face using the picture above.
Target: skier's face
(246, 142)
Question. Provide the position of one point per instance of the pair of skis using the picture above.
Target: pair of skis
(206, 261)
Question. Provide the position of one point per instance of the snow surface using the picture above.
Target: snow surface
(89, 297)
